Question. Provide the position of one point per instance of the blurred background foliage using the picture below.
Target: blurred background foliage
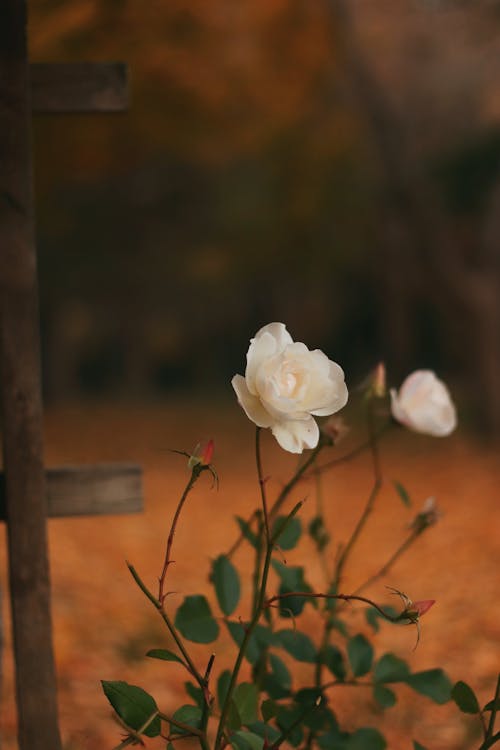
(330, 164)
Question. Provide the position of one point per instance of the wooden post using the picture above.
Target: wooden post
(21, 398)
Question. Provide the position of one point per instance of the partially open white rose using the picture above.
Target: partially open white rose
(285, 384)
(423, 404)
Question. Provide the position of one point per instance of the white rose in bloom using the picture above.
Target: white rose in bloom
(423, 404)
(285, 384)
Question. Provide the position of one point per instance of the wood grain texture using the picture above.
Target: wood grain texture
(21, 403)
(101, 489)
(79, 87)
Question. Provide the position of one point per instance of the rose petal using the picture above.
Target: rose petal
(250, 403)
(270, 340)
(295, 435)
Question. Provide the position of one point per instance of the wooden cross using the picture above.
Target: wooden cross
(27, 492)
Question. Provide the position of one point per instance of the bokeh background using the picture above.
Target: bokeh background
(331, 164)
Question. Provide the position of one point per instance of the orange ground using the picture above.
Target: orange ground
(103, 625)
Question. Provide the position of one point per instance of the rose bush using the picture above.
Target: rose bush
(423, 404)
(286, 384)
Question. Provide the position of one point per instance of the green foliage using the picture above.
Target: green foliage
(319, 533)
(245, 699)
(465, 698)
(261, 706)
(190, 715)
(333, 659)
(244, 740)
(389, 668)
(133, 705)
(227, 584)
(194, 620)
(403, 493)
(261, 638)
(286, 531)
(164, 655)
(384, 696)
(298, 645)
(360, 653)
(366, 739)
(222, 686)
(292, 579)
(433, 683)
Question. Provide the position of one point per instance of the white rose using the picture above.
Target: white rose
(424, 404)
(285, 384)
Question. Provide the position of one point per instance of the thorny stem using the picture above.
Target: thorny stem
(195, 473)
(410, 539)
(262, 482)
(490, 739)
(257, 565)
(377, 483)
(168, 622)
(282, 495)
(261, 600)
(298, 721)
(350, 455)
(241, 654)
(341, 597)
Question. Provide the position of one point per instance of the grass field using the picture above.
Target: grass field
(103, 625)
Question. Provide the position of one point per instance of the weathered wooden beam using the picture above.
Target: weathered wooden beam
(20, 398)
(79, 87)
(89, 490)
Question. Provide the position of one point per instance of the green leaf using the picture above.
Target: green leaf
(465, 698)
(265, 731)
(384, 696)
(366, 739)
(333, 658)
(196, 693)
(403, 493)
(286, 717)
(133, 705)
(292, 579)
(227, 584)
(164, 655)
(222, 686)
(298, 645)
(261, 638)
(433, 683)
(492, 705)
(245, 698)
(418, 746)
(280, 671)
(186, 714)
(243, 740)
(390, 668)
(318, 533)
(247, 532)
(360, 654)
(194, 620)
(286, 531)
(268, 709)
(339, 625)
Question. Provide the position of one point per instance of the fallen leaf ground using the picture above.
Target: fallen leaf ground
(103, 625)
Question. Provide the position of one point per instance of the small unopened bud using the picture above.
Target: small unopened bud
(202, 454)
(379, 386)
(418, 609)
(428, 516)
(334, 429)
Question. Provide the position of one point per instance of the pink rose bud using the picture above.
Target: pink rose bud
(422, 606)
(207, 453)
